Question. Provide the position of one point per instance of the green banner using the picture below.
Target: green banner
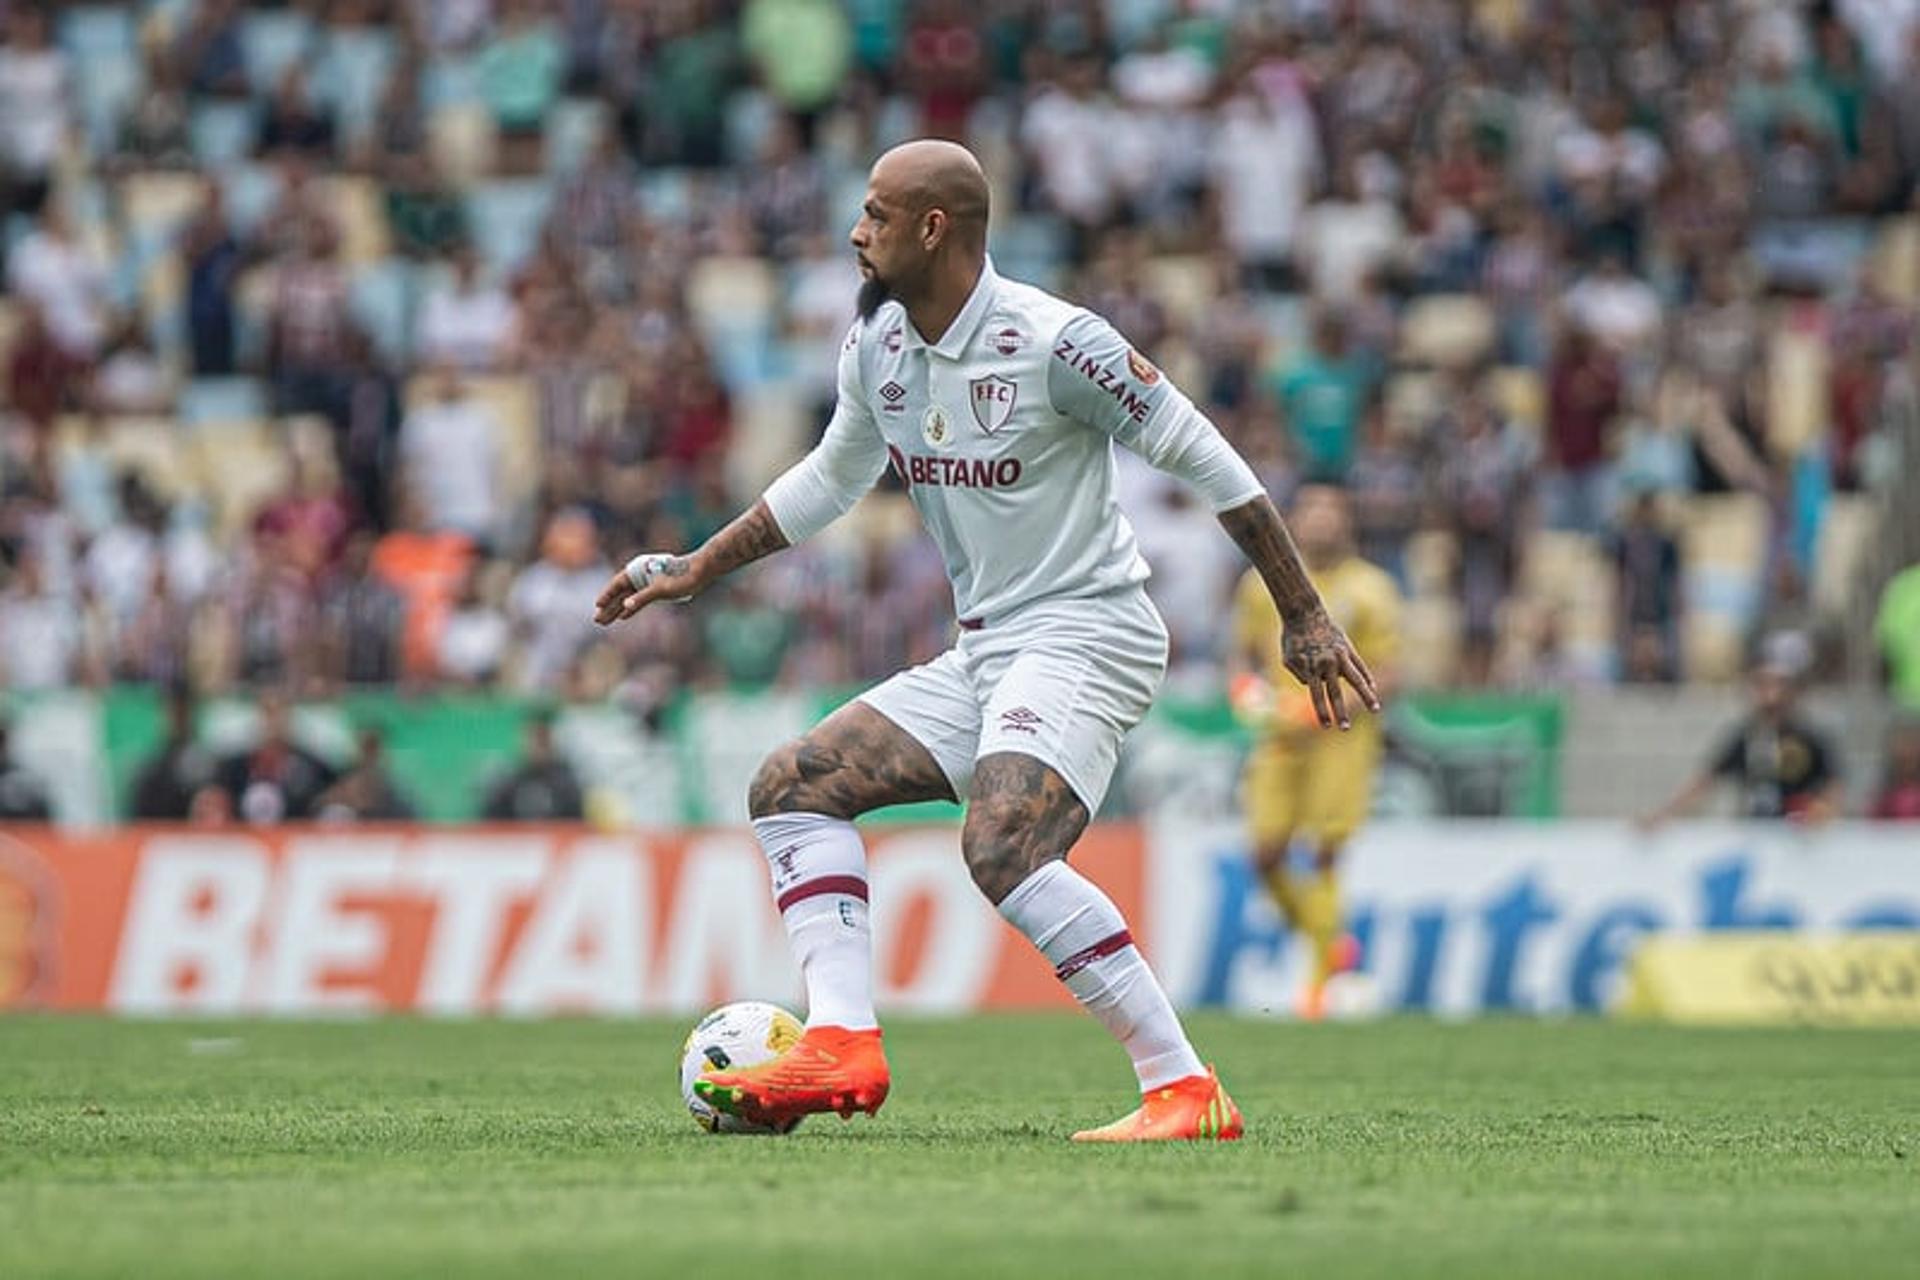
(1454, 755)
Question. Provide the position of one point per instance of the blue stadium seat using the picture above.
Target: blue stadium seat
(351, 75)
(448, 81)
(384, 297)
(506, 215)
(90, 31)
(111, 85)
(224, 133)
(274, 40)
(222, 400)
(1028, 246)
(574, 126)
(250, 191)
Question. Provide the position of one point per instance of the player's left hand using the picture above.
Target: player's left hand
(1321, 657)
(646, 579)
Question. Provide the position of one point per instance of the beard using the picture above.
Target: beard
(874, 293)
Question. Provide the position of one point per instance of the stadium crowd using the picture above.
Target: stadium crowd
(353, 341)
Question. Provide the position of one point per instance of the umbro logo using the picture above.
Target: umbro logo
(1021, 720)
(893, 393)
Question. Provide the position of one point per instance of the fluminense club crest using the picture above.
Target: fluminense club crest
(992, 398)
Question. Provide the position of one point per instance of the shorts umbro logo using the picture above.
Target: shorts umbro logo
(1021, 720)
(893, 393)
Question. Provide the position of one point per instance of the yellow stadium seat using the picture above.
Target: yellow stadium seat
(241, 465)
(727, 294)
(359, 211)
(464, 140)
(1446, 331)
(1897, 259)
(1430, 649)
(1845, 540)
(1183, 284)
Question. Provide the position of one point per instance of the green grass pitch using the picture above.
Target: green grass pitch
(561, 1149)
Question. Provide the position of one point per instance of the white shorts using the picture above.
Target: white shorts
(1061, 681)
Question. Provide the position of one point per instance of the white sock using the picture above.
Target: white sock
(1083, 935)
(819, 871)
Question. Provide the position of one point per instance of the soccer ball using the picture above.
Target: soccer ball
(744, 1034)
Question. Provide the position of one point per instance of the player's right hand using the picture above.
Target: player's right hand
(648, 578)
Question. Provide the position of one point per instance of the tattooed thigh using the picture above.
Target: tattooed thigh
(853, 761)
(1021, 814)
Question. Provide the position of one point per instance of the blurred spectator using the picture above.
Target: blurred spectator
(1584, 391)
(426, 566)
(164, 789)
(469, 323)
(39, 631)
(1324, 392)
(747, 636)
(447, 25)
(41, 375)
(551, 604)
(1388, 494)
(801, 50)
(785, 194)
(35, 91)
(1899, 797)
(364, 619)
(23, 796)
(542, 789)
(1064, 130)
(521, 68)
(1484, 485)
(366, 792)
(475, 640)
(214, 261)
(131, 378)
(1348, 236)
(310, 334)
(450, 457)
(54, 270)
(275, 780)
(156, 131)
(1265, 161)
(1780, 765)
(295, 123)
(943, 63)
(425, 216)
(1897, 627)
(1647, 560)
(212, 51)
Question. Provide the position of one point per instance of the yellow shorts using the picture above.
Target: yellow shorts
(1316, 783)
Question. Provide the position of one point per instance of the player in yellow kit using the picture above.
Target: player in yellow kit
(1302, 784)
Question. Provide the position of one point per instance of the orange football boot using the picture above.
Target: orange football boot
(1194, 1109)
(830, 1069)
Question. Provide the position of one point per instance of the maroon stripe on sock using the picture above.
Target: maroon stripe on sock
(1086, 956)
(852, 886)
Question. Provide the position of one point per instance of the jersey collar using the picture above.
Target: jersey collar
(967, 323)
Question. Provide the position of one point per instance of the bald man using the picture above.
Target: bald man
(999, 406)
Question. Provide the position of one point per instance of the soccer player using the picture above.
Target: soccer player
(998, 404)
(1300, 783)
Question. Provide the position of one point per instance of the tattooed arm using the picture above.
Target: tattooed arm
(1313, 646)
(652, 577)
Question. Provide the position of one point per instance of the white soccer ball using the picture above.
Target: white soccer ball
(743, 1034)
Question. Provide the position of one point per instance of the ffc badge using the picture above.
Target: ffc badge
(992, 399)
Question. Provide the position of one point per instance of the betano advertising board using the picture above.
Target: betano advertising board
(1456, 918)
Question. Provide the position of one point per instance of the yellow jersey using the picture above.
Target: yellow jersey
(1360, 597)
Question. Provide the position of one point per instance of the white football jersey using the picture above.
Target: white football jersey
(1003, 433)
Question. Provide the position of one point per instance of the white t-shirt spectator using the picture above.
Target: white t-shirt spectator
(40, 638)
(452, 449)
(1067, 136)
(33, 102)
(473, 644)
(468, 328)
(1341, 241)
(69, 286)
(1621, 310)
(553, 608)
(1265, 162)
